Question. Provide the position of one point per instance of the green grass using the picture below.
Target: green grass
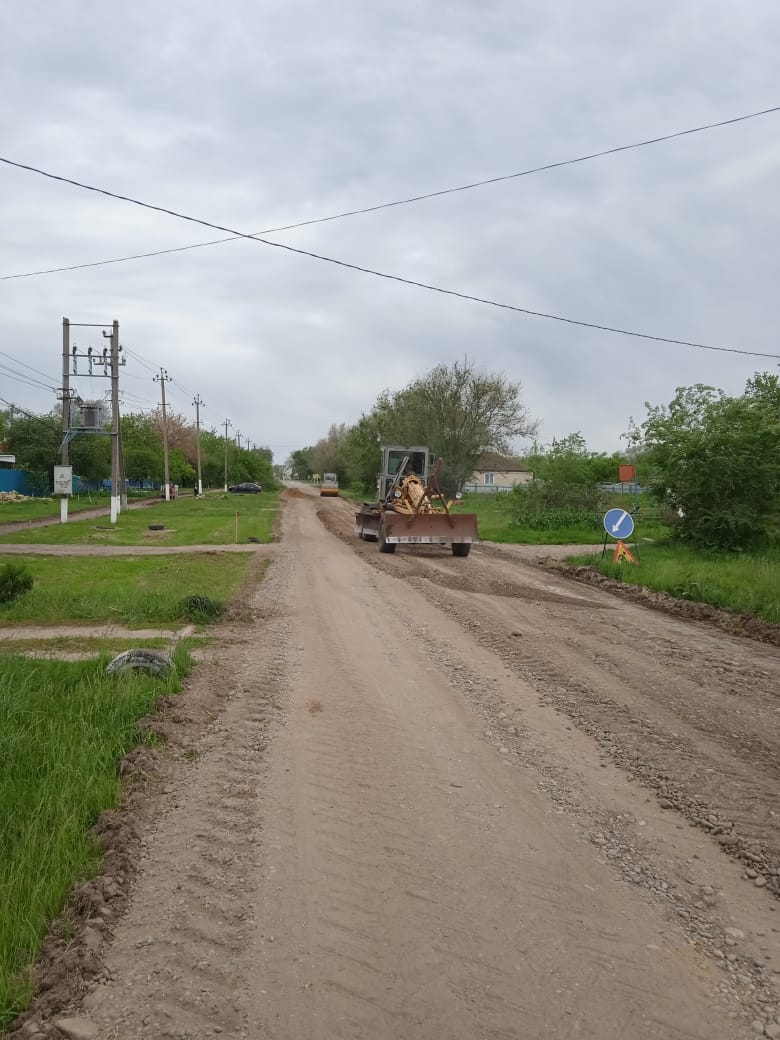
(94, 646)
(744, 583)
(42, 508)
(208, 520)
(63, 730)
(135, 591)
(495, 524)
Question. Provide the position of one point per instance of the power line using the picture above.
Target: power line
(29, 415)
(22, 377)
(394, 277)
(141, 360)
(18, 361)
(380, 206)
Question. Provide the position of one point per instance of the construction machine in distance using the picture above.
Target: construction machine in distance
(410, 507)
(330, 485)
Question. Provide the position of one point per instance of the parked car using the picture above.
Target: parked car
(248, 488)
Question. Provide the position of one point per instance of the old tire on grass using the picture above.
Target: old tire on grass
(141, 659)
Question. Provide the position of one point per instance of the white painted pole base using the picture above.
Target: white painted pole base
(64, 509)
(114, 509)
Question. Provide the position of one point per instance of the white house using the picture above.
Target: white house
(498, 473)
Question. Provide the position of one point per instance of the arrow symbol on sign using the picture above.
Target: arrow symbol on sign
(616, 526)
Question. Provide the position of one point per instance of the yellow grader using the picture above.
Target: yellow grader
(410, 508)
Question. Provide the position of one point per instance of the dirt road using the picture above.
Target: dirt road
(445, 798)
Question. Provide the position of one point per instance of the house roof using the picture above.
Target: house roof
(492, 462)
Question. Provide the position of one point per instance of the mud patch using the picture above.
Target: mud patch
(747, 625)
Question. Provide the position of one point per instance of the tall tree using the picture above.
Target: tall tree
(329, 455)
(716, 462)
(459, 411)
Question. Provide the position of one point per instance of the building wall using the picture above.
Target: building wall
(507, 478)
(14, 480)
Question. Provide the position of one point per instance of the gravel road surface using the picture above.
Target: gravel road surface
(425, 798)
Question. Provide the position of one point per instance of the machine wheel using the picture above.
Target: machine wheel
(385, 547)
(461, 548)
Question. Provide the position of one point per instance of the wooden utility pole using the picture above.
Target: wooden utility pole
(198, 405)
(226, 424)
(65, 409)
(162, 379)
(115, 466)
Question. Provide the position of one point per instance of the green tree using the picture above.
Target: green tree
(329, 455)
(457, 410)
(567, 461)
(90, 456)
(35, 440)
(716, 462)
(300, 462)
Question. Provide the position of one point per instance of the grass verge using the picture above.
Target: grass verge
(64, 727)
(495, 524)
(44, 508)
(745, 584)
(212, 519)
(124, 590)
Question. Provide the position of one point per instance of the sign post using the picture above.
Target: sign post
(63, 485)
(619, 524)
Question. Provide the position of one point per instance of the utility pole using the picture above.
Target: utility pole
(198, 405)
(115, 467)
(162, 379)
(238, 439)
(65, 409)
(226, 424)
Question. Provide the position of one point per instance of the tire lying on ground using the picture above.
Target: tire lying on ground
(141, 660)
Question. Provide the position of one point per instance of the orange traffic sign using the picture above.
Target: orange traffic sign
(622, 554)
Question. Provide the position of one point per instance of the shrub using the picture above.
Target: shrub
(541, 505)
(15, 580)
(201, 608)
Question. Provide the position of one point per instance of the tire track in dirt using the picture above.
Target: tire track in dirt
(417, 908)
(183, 941)
(690, 711)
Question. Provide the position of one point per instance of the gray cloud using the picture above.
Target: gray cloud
(252, 115)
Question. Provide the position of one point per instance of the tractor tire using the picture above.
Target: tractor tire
(385, 547)
(461, 548)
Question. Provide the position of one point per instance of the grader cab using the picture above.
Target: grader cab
(410, 508)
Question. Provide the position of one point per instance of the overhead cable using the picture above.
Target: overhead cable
(382, 205)
(385, 275)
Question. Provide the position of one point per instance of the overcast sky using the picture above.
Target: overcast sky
(257, 114)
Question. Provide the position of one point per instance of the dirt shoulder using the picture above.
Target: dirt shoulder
(440, 798)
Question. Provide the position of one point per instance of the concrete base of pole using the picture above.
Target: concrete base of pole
(64, 509)
(114, 509)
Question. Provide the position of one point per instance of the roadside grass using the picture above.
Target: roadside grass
(125, 590)
(744, 583)
(208, 520)
(43, 508)
(86, 647)
(495, 524)
(64, 727)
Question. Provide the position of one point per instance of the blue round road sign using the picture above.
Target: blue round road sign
(618, 523)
